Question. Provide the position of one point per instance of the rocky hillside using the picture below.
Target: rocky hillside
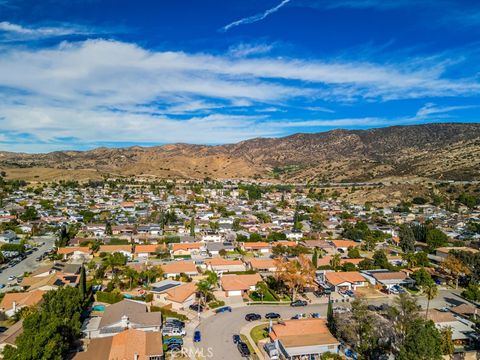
(439, 151)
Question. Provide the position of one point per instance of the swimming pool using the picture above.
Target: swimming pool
(98, 308)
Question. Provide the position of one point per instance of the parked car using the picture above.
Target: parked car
(173, 331)
(2, 286)
(297, 303)
(252, 317)
(340, 310)
(236, 339)
(11, 278)
(197, 336)
(173, 340)
(272, 315)
(223, 309)
(196, 307)
(174, 322)
(243, 348)
(298, 316)
(315, 315)
(350, 293)
(174, 347)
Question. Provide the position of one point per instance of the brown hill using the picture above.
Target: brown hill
(439, 151)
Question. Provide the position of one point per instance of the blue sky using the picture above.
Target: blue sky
(78, 74)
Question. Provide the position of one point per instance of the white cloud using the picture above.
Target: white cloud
(16, 32)
(244, 50)
(101, 91)
(257, 17)
(430, 109)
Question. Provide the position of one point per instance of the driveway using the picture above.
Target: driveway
(29, 264)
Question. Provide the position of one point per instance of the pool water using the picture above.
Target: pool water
(99, 308)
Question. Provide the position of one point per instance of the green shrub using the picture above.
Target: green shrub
(109, 297)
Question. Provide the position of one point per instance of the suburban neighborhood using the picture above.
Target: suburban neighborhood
(154, 270)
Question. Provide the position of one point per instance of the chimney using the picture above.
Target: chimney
(125, 323)
(14, 307)
(135, 356)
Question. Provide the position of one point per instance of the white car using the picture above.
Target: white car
(173, 332)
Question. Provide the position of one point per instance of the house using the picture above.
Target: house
(261, 265)
(12, 302)
(10, 335)
(126, 314)
(175, 268)
(131, 344)
(347, 280)
(238, 285)
(303, 339)
(464, 310)
(442, 252)
(143, 252)
(9, 237)
(214, 248)
(325, 261)
(386, 278)
(186, 249)
(221, 265)
(263, 247)
(461, 331)
(343, 245)
(211, 236)
(51, 277)
(76, 253)
(179, 297)
(125, 250)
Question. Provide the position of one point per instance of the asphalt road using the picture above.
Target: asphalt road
(217, 330)
(28, 264)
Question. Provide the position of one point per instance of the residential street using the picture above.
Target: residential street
(28, 264)
(217, 330)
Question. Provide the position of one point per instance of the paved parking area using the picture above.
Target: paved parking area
(29, 264)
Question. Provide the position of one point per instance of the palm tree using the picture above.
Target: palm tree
(203, 287)
(335, 261)
(131, 275)
(430, 290)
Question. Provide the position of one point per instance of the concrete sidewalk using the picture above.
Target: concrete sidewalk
(245, 331)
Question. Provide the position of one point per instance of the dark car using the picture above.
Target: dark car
(196, 307)
(243, 348)
(197, 336)
(252, 317)
(236, 339)
(272, 315)
(173, 340)
(175, 323)
(223, 309)
(174, 347)
(297, 303)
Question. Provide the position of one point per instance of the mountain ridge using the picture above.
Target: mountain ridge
(434, 150)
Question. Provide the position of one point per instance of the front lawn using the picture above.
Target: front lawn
(259, 332)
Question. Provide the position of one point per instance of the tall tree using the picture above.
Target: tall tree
(407, 239)
(423, 342)
(82, 284)
(192, 227)
(456, 267)
(108, 228)
(335, 261)
(315, 258)
(296, 274)
(431, 291)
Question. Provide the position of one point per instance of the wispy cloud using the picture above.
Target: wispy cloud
(245, 49)
(11, 31)
(430, 109)
(257, 17)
